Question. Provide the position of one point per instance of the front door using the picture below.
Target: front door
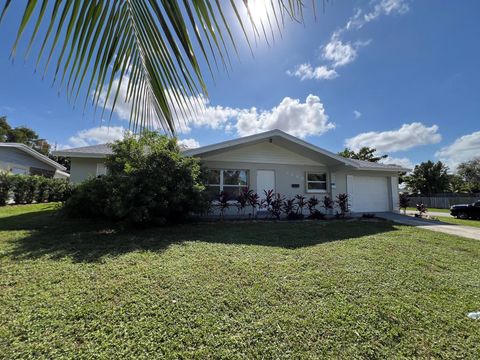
(265, 182)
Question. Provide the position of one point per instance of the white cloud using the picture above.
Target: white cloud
(405, 162)
(407, 137)
(357, 114)
(380, 8)
(464, 148)
(307, 72)
(338, 52)
(189, 143)
(96, 135)
(291, 115)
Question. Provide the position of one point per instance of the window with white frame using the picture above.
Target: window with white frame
(19, 170)
(101, 169)
(232, 182)
(316, 182)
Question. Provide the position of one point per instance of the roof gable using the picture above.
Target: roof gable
(35, 154)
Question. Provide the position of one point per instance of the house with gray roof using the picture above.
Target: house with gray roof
(274, 160)
(17, 158)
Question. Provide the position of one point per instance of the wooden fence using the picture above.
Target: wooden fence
(443, 201)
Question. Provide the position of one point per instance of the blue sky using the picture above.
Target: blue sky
(402, 76)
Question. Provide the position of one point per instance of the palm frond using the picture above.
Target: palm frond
(142, 51)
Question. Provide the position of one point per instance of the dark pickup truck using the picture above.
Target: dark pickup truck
(466, 211)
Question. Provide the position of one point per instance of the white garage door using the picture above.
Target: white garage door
(370, 193)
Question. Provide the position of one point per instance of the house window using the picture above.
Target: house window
(101, 169)
(16, 170)
(316, 182)
(230, 181)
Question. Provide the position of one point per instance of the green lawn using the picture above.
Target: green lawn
(431, 209)
(451, 220)
(359, 289)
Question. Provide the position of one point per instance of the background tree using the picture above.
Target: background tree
(428, 178)
(22, 135)
(365, 153)
(458, 184)
(470, 172)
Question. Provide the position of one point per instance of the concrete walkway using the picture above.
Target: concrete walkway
(431, 213)
(459, 230)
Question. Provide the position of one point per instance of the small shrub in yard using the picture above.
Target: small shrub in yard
(327, 203)
(312, 208)
(289, 208)
(422, 209)
(22, 189)
(342, 202)
(223, 203)
(368, 215)
(276, 206)
(58, 190)
(6, 186)
(403, 201)
(301, 203)
(253, 200)
(43, 185)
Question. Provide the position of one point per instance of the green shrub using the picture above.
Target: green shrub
(148, 181)
(43, 185)
(59, 190)
(21, 187)
(6, 186)
(88, 200)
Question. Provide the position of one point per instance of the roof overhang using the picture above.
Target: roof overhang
(283, 139)
(34, 154)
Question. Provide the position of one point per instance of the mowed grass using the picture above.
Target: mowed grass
(431, 209)
(451, 220)
(360, 289)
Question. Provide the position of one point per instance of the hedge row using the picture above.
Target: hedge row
(25, 189)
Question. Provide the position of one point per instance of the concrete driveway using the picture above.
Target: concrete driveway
(433, 225)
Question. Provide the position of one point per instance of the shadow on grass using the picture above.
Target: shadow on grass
(90, 241)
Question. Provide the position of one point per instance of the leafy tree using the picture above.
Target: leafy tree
(470, 172)
(5, 128)
(148, 180)
(154, 47)
(365, 153)
(458, 184)
(23, 135)
(428, 178)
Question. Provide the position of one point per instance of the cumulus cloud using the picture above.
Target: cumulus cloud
(291, 115)
(338, 52)
(405, 162)
(96, 135)
(380, 8)
(307, 72)
(189, 143)
(357, 114)
(407, 137)
(464, 148)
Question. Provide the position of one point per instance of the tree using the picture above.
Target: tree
(458, 184)
(428, 178)
(470, 172)
(22, 135)
(154, 47)
(365, 153)
(148, 181)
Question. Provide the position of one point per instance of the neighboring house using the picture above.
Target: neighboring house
(17, 158)
(278, 161)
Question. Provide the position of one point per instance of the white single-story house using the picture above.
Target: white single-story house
(16, 158)
(277, 161)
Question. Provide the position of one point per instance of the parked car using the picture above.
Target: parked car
(466, 211)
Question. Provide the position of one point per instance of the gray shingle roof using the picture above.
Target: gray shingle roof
(373, 165)
(100, 150)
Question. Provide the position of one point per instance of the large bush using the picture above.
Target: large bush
(148, 180)
(6, 186)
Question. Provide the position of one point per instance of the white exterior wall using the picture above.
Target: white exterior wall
(83, 168)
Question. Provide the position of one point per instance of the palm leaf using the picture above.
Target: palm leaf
(144, 46)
